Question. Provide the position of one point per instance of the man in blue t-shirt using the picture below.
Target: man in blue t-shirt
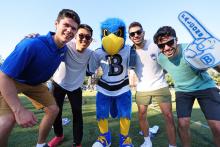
(33, 62)
(190, 84)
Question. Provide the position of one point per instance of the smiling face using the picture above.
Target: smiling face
(136, 34)
(83, 39)
(168, 46)
(66, 30)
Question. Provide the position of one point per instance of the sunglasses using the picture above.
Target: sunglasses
(169, 43)
(138, 32)
(87, 37)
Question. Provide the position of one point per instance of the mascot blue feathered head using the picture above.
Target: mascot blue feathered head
(113, 35)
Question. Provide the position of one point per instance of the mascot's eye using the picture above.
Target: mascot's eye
(105, 33)
(119, 33)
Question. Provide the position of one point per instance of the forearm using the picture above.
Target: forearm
(9, 92)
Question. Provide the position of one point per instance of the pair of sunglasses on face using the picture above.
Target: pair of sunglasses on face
(138, 32)
(87, 37)
(168, 43)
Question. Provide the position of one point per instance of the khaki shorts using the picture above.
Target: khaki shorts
(38, 95)
(161, 96)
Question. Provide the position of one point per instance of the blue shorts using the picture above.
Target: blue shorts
(123, 105)
(208, 99)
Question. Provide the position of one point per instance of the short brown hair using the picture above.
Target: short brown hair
(85, 26)
(70, 14)
(134, 24)
(164, 31)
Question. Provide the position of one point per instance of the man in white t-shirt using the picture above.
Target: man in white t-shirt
(68, 80)
(151, 84)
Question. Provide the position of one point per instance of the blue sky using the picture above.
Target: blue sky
(22, 17)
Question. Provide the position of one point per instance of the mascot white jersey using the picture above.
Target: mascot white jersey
(114, 80)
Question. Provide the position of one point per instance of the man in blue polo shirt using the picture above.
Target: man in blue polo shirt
(33, 62)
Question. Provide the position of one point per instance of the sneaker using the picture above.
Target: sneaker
(147, 144)
(152, 131)
(125, 141)
(56, 141)
(104, 140)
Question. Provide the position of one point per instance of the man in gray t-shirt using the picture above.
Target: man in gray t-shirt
(68, 80)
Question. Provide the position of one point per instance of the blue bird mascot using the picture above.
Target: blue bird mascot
(113, 92)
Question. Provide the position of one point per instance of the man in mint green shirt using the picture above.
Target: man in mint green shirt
(190, 84)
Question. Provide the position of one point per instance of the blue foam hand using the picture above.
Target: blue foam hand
(204, 51)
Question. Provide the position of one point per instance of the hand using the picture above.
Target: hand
(32, 35)
(25, 118)
(217, 68)
(204, 51)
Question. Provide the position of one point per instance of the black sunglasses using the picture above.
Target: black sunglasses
(169, 43)
(87, 37)
(138, 32)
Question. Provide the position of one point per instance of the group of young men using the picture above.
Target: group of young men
(66, 64)
(190, 84)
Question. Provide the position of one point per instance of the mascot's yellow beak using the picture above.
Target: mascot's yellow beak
(112, 44)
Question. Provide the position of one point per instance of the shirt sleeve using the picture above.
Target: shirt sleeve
(93, 62)
(16, 62)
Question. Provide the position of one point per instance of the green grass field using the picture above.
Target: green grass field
(201, 135)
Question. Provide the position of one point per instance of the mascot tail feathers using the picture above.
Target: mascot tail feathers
(113, 108)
